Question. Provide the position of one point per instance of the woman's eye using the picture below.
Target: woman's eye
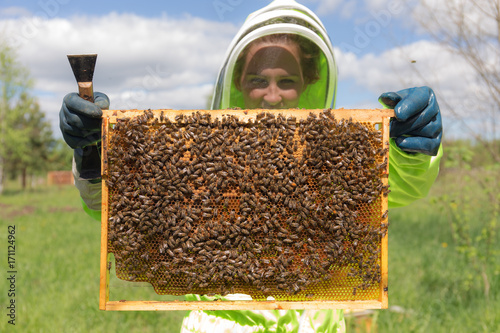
(258, 82)
(287, 82)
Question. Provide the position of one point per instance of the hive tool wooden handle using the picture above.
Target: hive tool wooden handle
(83, 68)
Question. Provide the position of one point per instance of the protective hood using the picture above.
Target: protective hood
(280, 17)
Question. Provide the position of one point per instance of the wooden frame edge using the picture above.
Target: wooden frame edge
(110, 116)
(360, 114)
(384, 292)
(104, 276)
(238, 305)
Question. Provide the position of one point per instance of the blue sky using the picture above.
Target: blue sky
(383, 22)
(175, 48)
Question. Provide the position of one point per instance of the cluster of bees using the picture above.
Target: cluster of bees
(269, 206)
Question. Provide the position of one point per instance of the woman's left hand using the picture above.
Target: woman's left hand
(417, 127)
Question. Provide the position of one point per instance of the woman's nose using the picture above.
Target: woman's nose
(273, 95)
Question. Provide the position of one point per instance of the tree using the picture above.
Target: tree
(470, 29)
(25, 136)
(61, 155)
(13, 81)
(30, 154)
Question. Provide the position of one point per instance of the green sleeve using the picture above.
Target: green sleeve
(410, 175)
(95, 214)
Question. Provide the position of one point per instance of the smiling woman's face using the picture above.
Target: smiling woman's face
(272, 77)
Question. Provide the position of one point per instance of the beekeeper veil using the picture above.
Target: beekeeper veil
(285, 20)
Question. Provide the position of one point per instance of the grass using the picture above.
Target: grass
(430, 282)
(429, 279)
(57, 280)
(57, 263)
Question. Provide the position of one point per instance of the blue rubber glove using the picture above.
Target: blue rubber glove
(80, 120)
(417, 127)
(80, 123)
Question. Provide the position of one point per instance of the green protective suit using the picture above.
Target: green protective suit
(410, 175)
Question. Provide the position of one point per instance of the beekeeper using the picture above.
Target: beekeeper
(282, 57)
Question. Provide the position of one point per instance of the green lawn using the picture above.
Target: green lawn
(429, 277)
(431, 286)
(57, 263)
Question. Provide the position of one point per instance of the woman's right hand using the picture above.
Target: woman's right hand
(80, 120)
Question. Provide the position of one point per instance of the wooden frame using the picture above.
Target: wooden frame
(377, 116)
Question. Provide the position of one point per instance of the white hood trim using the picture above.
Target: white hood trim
(269, 30)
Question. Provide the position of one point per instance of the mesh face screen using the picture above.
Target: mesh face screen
(274, 206)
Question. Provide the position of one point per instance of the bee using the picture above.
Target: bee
(299, 244)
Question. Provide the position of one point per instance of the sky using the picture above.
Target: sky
(166, 54)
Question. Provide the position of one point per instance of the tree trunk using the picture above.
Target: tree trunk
(1, 175)
(23, 179)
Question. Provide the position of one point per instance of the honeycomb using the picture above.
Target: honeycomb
(267, 206)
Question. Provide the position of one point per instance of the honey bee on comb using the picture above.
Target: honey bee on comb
(273, 206)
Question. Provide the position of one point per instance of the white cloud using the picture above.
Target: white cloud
(172, 62)
(421, 63)
(326, 7)
(478, 16)
(14, 12)
(360, 10)
(377, 4)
